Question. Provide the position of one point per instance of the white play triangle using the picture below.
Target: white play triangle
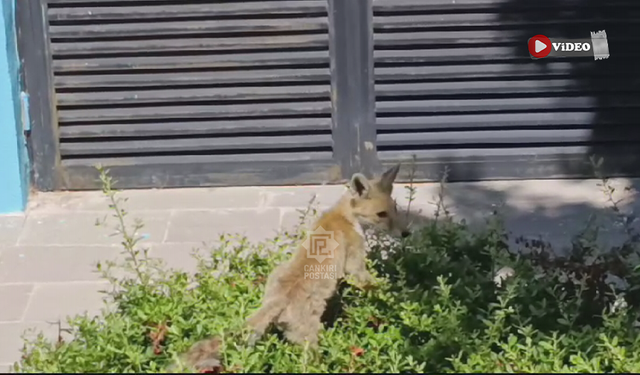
(540, 46)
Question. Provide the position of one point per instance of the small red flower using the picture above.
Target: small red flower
(357, 351)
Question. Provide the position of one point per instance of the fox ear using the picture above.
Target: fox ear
(360, 185)
(388, 177)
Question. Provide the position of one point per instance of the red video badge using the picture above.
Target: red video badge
(539, 46)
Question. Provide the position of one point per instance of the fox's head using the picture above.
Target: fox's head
(372, 204)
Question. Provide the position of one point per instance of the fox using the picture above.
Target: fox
(295, 302)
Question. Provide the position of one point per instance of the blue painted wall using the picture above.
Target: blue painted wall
(14, 179)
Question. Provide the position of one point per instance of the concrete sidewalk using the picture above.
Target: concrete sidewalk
(47, 255)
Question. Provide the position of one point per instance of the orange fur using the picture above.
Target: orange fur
(294, 301)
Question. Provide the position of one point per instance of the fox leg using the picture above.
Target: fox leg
(306, 331)
(260, 320)
(355, 265)
(304, 320)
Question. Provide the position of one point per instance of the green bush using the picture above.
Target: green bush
(437, 309)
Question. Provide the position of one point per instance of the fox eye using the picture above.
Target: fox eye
(382, 214)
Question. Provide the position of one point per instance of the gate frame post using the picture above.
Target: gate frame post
(34, 51)
(353, 86)
(14, 179)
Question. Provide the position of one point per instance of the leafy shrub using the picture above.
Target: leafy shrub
(437, 308)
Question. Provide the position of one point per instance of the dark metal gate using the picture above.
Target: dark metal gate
(169, 93)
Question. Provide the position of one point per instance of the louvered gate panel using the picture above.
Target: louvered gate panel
(187, 93)
(455, 86)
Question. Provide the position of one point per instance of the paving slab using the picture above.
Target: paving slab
(548, 193)
(43, 264)
(53, 302)
(13, 301)
(207, 226)
(293, 217)
(12, 342)
(178, 256)
(79, 228)
(10, 229)
(301, 196)
(151, 199)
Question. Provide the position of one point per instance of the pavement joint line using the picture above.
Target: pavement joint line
(55, 283)
(280, 217)
(62, 245)
(168, 225)
(28, 304)
(21, 234)
(30, 322)
(264, 198)
(8, 322)
(133, 213)
(190, 244)
(81, 244)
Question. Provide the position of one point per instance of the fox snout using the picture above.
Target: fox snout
(400, 228)
(404, 233)
(404, 229)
